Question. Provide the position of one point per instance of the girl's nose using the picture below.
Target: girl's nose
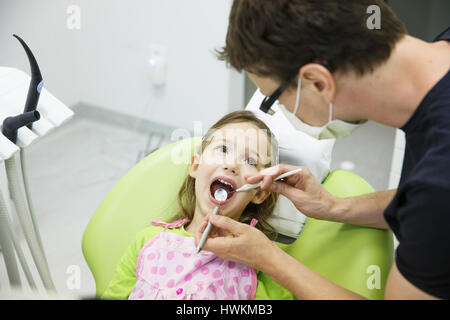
(232, 168)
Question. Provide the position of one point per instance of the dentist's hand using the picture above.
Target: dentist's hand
(303, 189)
(235, 241)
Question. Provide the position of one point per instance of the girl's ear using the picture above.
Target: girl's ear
(193, 167)
(260, 196)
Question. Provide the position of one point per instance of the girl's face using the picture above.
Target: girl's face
(234, 151)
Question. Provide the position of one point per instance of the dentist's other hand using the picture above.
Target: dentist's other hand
(236, 241)
(303, 189)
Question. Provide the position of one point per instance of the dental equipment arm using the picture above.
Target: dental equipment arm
(34, 91)
(17, 194)
(12, 124)
(17, 181)
(36, 83)
(7, 246)
(9, 129)
(6, 237)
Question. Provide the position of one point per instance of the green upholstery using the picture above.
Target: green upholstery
(340, 252)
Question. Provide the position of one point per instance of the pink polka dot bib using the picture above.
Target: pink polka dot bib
(169, 268)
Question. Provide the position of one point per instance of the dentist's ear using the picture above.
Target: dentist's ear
(321, 78)
(193, 167)
(260, 196)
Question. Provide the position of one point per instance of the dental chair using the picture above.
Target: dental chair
(354, 257)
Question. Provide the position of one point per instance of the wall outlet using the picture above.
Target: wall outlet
(158, 64)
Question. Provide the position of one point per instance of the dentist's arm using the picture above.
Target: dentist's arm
(313, 200)
(251, 247)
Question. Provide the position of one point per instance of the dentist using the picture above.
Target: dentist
(332, 72)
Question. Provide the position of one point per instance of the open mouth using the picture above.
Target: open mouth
(222, 183)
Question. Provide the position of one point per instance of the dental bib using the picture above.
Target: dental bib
(168, 268)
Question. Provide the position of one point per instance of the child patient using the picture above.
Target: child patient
(162, 262)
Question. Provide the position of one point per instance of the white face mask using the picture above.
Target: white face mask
(333, 129)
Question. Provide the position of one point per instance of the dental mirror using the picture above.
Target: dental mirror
(221, 194)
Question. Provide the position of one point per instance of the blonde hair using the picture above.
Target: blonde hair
(186, 194)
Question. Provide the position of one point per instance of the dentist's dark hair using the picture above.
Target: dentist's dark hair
(276, 38)
(262, 211)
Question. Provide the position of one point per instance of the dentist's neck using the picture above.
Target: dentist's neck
(392, 92)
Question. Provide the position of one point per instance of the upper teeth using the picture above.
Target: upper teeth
(224, 182)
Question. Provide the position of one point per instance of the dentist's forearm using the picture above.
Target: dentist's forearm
(366, 210)
(304, 283)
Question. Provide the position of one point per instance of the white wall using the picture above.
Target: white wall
(104, 63)
(397, 164)
(397, 159)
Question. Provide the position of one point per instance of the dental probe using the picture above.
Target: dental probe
(247, 187)
(219, 195)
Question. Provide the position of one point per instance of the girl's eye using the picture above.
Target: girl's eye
(251, 162)
(222, 148)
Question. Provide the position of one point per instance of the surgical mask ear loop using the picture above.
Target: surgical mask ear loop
(297, 99)
(297, 102)
(330, 111)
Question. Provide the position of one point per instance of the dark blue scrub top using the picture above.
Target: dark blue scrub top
(419, 214)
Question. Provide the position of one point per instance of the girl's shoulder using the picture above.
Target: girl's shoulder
(147, 233)
(150, 231)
